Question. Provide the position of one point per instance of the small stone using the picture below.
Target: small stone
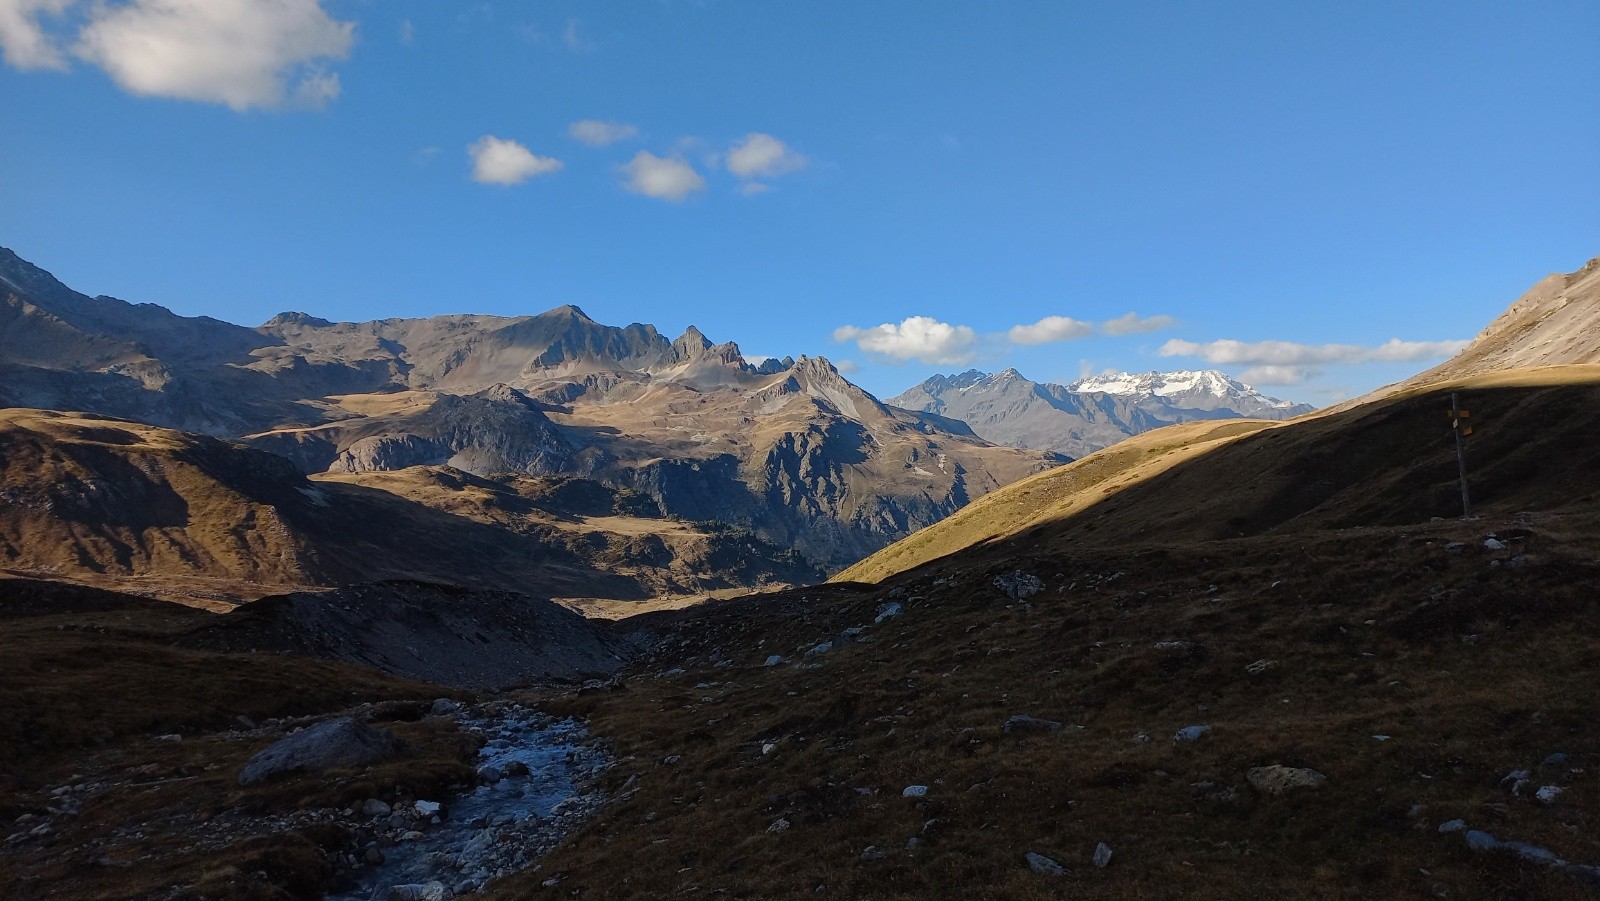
(443, 707)
(1280, 780)
(1455, 547)
(1043, 865)
(774, 660)
(769, 747)
(1494, 544)
(913, 843)
(1173, 645)
(1190, 733)
(778, 825)
(410, 836)
(1102, 855)
(516, 769)
(1556, 759)
(1023, 723)
(171, 736)
(889, 611)
(820, 649)
(873, 853)
(373, 857)
(914, 791)
(373, 807)
(427, 808)
(1259, 667)
(1141, 737)
(1549, 793)
(671, 759)
(1478, 840)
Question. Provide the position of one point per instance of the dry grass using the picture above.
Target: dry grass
(1473, 670)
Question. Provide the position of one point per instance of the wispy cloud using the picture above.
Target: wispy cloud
(758, 155)
(500, 161)
(665, 178)
(573, 39)
(1292, 363)
(1134, 324)
(1290, 353)
(599, 133)
(23, 39)
(1049, 330)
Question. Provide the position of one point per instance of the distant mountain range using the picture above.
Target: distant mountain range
(674, 463)
(1089, 414)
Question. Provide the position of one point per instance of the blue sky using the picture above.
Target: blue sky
(1321, 196)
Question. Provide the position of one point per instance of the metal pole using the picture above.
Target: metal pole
(1461, 456)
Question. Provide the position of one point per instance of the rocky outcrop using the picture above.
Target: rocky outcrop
(339, 742)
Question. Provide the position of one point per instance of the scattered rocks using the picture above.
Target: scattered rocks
(339, 742)
(1280, 780)
(1019, 585)
(1024, 723)
(422, 891)
(1190, 733)
(1102, 855)
(1043, 865)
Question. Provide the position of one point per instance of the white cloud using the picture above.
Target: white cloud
(499, 161)
(916, 338)
(408, 31)
(1050, 329)
(1257, 376)
(23, 40)
(664, 178)
(243, 53)
(1289, 353)
(572, 39)
(759, 155)
(752, 188)
(1133, 324)
(598, 133)
(846, 367)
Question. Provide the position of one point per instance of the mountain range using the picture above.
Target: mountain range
(614, 444)
(1089, 414)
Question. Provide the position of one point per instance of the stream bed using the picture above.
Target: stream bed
(533, 772)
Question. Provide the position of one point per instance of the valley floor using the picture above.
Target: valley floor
(1417, 668)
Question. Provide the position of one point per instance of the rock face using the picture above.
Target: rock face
(789, 451)
(1090, 414)
(341, 742)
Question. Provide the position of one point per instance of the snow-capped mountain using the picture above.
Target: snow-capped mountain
(1090, 413)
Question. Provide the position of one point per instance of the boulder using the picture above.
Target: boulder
(340, 742)
(1043, 865)
(1280, 780)
(1024, 723)
(1019, 585)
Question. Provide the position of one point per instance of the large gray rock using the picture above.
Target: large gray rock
(331, 743)
(1019, 585)
(1280, 780)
